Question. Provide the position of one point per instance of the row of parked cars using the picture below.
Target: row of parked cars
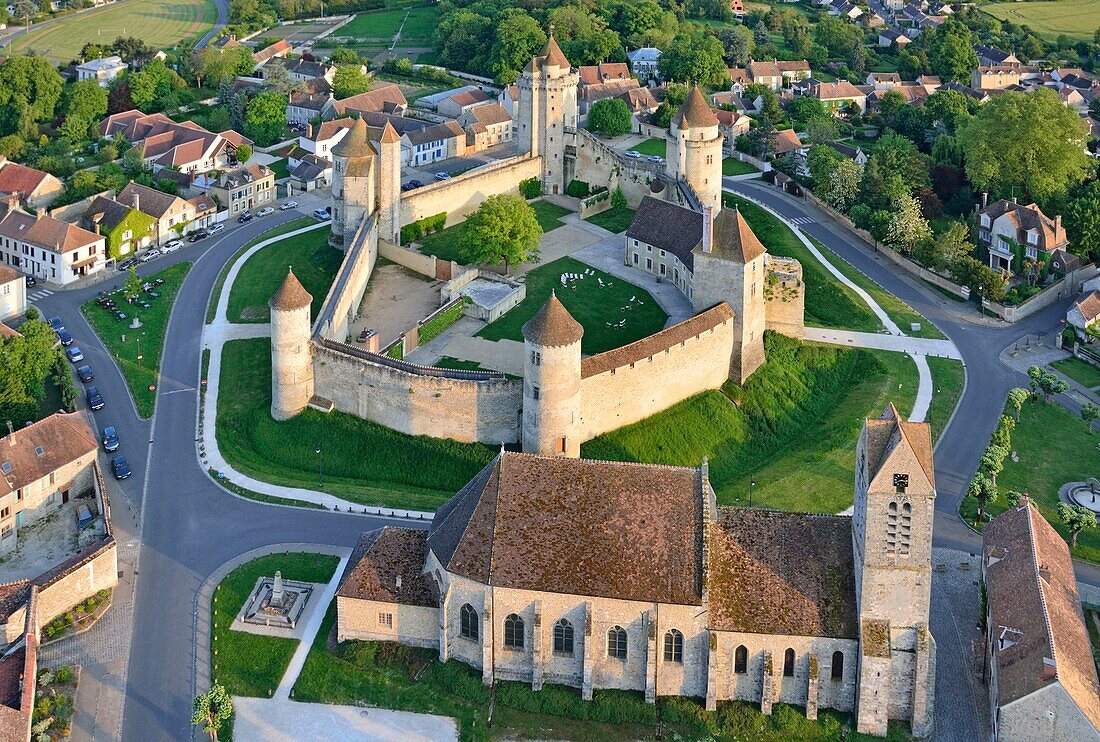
(109, 436)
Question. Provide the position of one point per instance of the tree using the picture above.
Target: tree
(244, 153)
(1082, 219)
(30, 89)
(1076, 519)
(618, 199)
(842, 186)
(518, 38)
(84, 105)
(212, 710)
(694, 60)
(150, 86)
(584, 36)
(951, 247)
(344, 55)
(349, 80)
(822, 130)
(502, 230)
(907, 227)
(24, 363)
(1045, 383)
(1027, 145)
(993, 461)
(805, 108)
(1016, 398)
(951, 51)
(265, 118)
(610, 117)
(736, 44)
(1089, 413)
(984, 491)
(949, 107)
(890, 103)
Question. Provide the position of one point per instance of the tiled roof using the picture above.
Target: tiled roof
(553, 326)
(436, 133)
(62, 438)
(355, 143)
(149, 200)
(839, 90)
(1089, 306)
(282, 46)
(291, 294)
(734, 239)
(889, 436)
(7, 275)
(577, 527)
(786, 140)
(16, 178)
(489, 114)
(106, 212)
(1032, 593)
(657, 342)
(46, 232)
(1026, 218)
(469, 98)
(782, 573)
(695, 112)
(373, 100)
(13, 595)
(604, 72)
(667, 226)
(386, 565)
(552, 54)
(763, 69)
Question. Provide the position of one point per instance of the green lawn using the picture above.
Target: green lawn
(733, 166)
(829, 303)
(793, 426)
(1074, 18)
(315, 263)
(125, 344)
(651, 147)
(281, 168)
(549, 215)
(212, 305)
(252, 664)
(589, 304)
(613, 220)
(1054, 447)
(947, 386)
(447, 243)
(1080, 371)
(384, 24)
(363, 462)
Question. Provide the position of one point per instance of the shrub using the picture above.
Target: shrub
(415, 230)
(32, 313)
(64, 674)
(530, 188)
(577, 189)
(861, 215)
(618, 199)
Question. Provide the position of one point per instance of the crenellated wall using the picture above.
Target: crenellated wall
(599, 164)
(342, 302)
(462, 194)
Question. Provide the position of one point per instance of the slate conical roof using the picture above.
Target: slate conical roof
(553, 55)
(291, 295)
(355, 143)
(553, 326)
(695, 113)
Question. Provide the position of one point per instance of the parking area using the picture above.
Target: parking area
(457, 165)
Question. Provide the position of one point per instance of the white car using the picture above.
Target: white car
(288, 205)
(657, 159)
(154, 253)
(633, 154)
(265, 211)
(215, 228)
(172, 246)
(442, 176)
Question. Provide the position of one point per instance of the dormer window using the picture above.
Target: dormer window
(1008, 638)
(38, 450)
(985, 220)
(1032, 238)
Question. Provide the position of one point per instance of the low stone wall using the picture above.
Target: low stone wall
(594, 204)
(76, 579)
(461, 280)
(1064, 289)
(406, 257)
(462, 194)
(784, 297)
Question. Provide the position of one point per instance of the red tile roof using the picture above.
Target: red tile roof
(16, 178)
(387, 566)
(43, 447)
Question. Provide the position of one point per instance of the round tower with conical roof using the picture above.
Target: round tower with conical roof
(552, 382)
(353, 192)
(697, 154)
(291, 359)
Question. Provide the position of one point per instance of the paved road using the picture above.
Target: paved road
(223, 16)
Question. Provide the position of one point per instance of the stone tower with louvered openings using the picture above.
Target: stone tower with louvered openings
(291, 359)
(696, 156)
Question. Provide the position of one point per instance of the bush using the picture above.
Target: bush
(1069, 337)
(530, 188)
(618, 199)
(860, 214)
(428, 225)
(32, 313)
(64, 674)
(577, 189)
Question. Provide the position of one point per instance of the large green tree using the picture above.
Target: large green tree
(1082, 219)
(30, 89)
(265, 118)
(639, 22)
(951, 51)
(212, 710)
(502, 230)
(584, 37)
(694, 59)
(25, 361)
(518, 38)
(1026, 145)
(84, 105)
(349, 80)
(610, 117)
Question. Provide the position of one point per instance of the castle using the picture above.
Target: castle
(597, 574)
(735, 288)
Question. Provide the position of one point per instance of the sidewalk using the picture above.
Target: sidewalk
(877, 341)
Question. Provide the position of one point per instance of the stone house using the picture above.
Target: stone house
(1013, 233)
(645, 62)
(174, 216)
(435, 143)
(280, 48)
(125, 229)
(836, 96)
(1084, 313)
(888, 37)
(47, 248)
(102, 70)
(307, 105)
(732, 125)
(996, 77)
(1038, 660)
(458, 104)
(36, 189)
(520, 577)
(247, 187)
(386, 98)
(164, 143)
(486, 125)
(989, 56)
(302, 70)
(43, 466)
(13, 293)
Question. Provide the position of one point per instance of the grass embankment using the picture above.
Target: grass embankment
(613, 220)
(405, 678)
(314, 261)
(125, 344)
(829, 303)
(1053, 447)
(591, 304)
(362, 461)
(215, 294)
(947, 386)
(1083, 373)
(793, 426)
(446, 244)
(733, 166)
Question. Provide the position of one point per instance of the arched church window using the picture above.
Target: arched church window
(616, 643)
(513, 631)
(788, 663)
(674, 646)
(741, 660)
(837, 670)
(563, 637)
(905, 529)
(468, 620)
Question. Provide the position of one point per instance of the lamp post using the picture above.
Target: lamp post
(320, 467)
(752, 486)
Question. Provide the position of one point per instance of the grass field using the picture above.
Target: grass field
(733, 166)
(1079, 371)
(383, 25)
(125, 344)
(613, 220)
(159, 23)
(1054, 448)
(549, 215)
(652, 147)
(362, 461)
(793, 426)
(314, 261)
(947, 387)
(588, 302)
(1077, 19)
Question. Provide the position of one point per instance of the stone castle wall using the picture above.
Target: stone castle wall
(465, 410)
(342, 302)
(784, 297)
(462, 194)
(644, 386)
(599, 164)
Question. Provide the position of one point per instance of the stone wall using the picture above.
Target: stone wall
(416, 626)
(76, 579)
(599, 164)
(1067, 287)
(342, 303)
(465, 410)
(462, 194)
(425, 265)
(784, 297)
(638, 389)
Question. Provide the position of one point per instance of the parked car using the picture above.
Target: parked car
(120, 468)
(244, 217)
(75, 354)
(30, 281)
(172, 246)
(287, 205)
(442, 176)
(56, 324)
(150, 255)
(215, 228)
(65, 338)
(633, 154)
(198, 234)
(95, 399)
(110, 439)
(416, 184)
(656, 158)
(85, 373)
(320, 214)
(124, 265)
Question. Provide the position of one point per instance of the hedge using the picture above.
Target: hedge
(530, 188)
(428, 225)
(577, 189)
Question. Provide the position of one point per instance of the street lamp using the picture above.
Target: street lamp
(752, 486)
(320, 467)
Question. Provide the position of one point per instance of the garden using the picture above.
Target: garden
(54, 703)
(447, 244)
(78, 618)
(137, 352)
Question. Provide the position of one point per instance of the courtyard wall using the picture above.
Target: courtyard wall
(784, 297)
(597, 163)
(462, 194)
(342, 302)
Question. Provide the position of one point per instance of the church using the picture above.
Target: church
(596, 574)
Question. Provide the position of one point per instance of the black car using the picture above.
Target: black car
(415, 184)
(65, 338)
(120, 468)
(85, 373)
(31, 281)
(95, 399)
(110, 439)
(245, 217)
(125, 264)
(199, 234)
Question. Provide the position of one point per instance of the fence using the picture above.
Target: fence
(426, 329)
(1069, 286)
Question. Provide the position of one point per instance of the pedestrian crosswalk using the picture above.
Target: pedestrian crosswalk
(800, 220)
(39, 295)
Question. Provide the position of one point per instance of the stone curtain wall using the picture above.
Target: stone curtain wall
(462, 194)
(599, 164)
(80, 578)
(486, 411)
(347, 290)
(784, 297)
(425, 265)
(634, 391)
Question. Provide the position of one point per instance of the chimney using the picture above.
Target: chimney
(398, 582)
(1057, 223)
(1013, 199)
(708, 229)
(137, 201)
(985, 199)
(39, 212)
(11, 434)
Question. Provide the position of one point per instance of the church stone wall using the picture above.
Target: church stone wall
(414, 625)
(462, 194)
(486, 411)
(634, 391)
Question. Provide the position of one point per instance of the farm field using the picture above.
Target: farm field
(1077, 19)
(159, 23)
(384, 25)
